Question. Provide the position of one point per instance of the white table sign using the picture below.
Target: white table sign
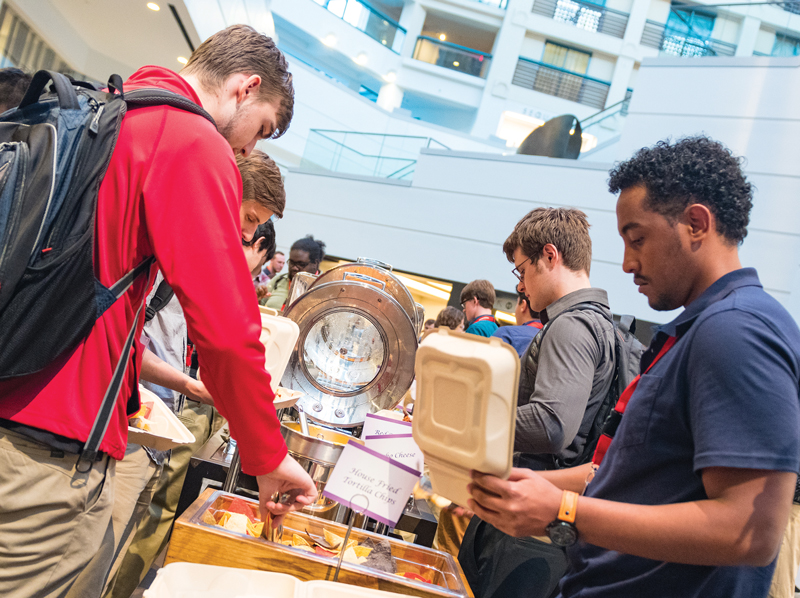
(400, 447)
(363, 472)
(378, 425)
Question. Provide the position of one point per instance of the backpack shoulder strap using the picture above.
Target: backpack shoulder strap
(162, 296)
(162, 97)
(92, 446)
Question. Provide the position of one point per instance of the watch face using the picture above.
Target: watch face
(562, 533)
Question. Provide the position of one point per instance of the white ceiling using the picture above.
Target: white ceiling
(125, 31)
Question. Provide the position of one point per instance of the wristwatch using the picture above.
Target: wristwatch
(562, 531)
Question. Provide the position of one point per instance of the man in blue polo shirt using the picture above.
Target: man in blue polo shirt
(696, 487)
(528, 326)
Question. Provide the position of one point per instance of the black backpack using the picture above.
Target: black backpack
(627, 355)
(54, 152)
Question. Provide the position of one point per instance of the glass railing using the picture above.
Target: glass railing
(584, 15)
(606, 124)
(561, 83)
(792, 6)
(497, 3)
(365, 154)
(452, 56)
(676, 43)
(365, 18)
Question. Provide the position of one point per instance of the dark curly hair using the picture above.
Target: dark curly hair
(691, 170)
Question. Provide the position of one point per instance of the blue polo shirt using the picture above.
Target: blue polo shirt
(520, 336)
(726, 395)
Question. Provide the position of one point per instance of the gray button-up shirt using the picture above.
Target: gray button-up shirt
(564, 381)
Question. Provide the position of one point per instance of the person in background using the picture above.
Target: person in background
(13, 85)
(273, 267)
(695, 489)
(259, 252)
(430, 324)
(528, 326)
(450, 317)
(477, 301)
(305, 255)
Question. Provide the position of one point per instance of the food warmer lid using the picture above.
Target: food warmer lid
(377, 274)
(355, 353)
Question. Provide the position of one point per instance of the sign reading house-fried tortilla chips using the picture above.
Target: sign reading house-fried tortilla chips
(365, 478)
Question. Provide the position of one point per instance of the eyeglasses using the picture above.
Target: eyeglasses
(300, 265)
(516, 271)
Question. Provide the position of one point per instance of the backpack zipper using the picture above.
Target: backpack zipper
(94, 127)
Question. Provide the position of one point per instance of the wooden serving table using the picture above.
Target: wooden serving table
(209, 467)
(197, 539)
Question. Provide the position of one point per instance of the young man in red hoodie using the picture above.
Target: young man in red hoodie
(172, 180)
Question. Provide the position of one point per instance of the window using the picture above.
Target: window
(687, 32)
(580, 15)
(785, 46)
(566, 58)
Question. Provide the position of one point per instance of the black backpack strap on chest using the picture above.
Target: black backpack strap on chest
(162, 296)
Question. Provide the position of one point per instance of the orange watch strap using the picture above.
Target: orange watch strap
(569, 505)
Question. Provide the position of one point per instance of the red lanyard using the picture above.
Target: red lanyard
(484, 318)
(605, 439)
(535, 324)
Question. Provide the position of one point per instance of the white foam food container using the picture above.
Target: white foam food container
(279, 336)
(166, 430)
(190, 580)
(465, 411)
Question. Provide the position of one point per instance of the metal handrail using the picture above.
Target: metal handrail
(502, 4)
(454, 46)
(389, 22)
(374, 11)
(585, 123)
(558, 68)
(429, 139)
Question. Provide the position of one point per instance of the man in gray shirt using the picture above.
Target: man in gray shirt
(566, 373)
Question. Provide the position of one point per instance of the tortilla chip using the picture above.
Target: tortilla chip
(298, 540)
(362, 551)
(208, 518)
(332, 539)
(255, 529)
(236, 522)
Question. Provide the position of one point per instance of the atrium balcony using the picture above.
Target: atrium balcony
(367, 19)
(561, 83)
(659, 36)
(584, 15)
(452, 56)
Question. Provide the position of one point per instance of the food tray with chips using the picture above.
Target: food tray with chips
(162, 429)
(224, 529)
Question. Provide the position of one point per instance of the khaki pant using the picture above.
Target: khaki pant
(134, 482)
(451, 531)
(152, 532)
(783, 579)
(53, 519)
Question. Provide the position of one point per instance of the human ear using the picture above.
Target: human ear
(249, 86)
(550, 254)
(698, 220)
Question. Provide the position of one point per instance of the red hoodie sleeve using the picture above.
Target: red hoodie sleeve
(192, 196)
